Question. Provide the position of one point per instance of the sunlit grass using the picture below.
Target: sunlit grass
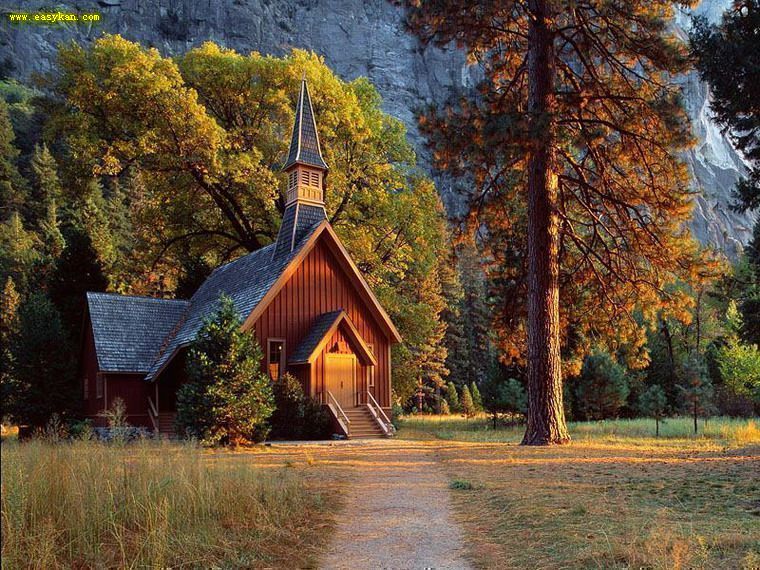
(616, 497)
(87, 504)
(480, 429)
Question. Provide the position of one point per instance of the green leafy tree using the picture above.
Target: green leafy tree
(572, 136)
(468, 406)
(739, 366)
(696, 390)
(44, 380)
(227, 398)
(452, 396)
(602, 387)
(653, 404)
(19, 253)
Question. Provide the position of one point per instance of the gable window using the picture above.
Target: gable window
(99, 386)
(275, 357)
(86, 388)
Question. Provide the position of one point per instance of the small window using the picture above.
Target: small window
(99, 386)
(292, 180)
(371, 368)
(315, 179)
(275, 358)
(305, 177)
(86, 388)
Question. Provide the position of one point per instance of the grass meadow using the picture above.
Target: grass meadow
(153, 505)
(617, 497)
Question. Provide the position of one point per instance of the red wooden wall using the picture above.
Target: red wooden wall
(320, 285)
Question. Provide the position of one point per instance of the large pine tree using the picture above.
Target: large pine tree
(574, 128)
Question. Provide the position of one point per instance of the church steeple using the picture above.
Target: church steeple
(306, 169)
(305, 166)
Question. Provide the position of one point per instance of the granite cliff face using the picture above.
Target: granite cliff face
(360, 38)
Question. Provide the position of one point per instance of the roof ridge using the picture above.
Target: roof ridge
(141, 297)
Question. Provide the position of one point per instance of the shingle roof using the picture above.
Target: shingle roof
(297, 220)
(129, 331)
(246, 280)
(304, 144)
(322, 324)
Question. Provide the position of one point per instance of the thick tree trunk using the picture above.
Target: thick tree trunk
(546, 415)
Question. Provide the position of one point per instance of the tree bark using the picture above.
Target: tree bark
(546, 415)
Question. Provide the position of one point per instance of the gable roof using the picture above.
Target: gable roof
(320, 333)
(143, 334)
(129, 331)
(304, 144)
(246, 280)
(324, 229)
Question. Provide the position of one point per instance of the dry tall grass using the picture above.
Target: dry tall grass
(150, 505)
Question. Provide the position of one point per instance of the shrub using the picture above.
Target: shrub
(504, 397)
(602, 387)
(297, 416)
(445, 410)
(227, 399)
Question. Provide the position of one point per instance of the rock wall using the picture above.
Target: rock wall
(360, 38)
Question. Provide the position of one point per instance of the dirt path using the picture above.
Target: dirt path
(398, 514)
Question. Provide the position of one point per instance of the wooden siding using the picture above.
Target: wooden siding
(132, 388)
(318, 286)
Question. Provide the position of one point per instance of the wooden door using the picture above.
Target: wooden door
(340, 378)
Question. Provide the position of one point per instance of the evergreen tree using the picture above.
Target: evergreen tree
(652, 404)
(77, 271)
(468, 406)
(18, 253)
(452, 396)
(9, 304)
(43, 370)
(502, 395)
(477, 399)
(45, 185)
(696, 390)
(574, 132)
(227, 398)
(457, 350)
(602, 387)
(729, 61)
(13, 187)
(195, 270)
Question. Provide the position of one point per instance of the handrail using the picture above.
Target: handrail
(341, 416)
(153, 413)
(379, 415)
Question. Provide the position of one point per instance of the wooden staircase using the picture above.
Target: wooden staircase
(363, 424)
(166, 424)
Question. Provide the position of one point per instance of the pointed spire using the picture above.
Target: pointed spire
(304, 144)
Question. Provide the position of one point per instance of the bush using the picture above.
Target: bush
(739, 366)
(296, 416)
(504, 397)
(477, 399)
(445, 410)
(602, 387)
(227, 399)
